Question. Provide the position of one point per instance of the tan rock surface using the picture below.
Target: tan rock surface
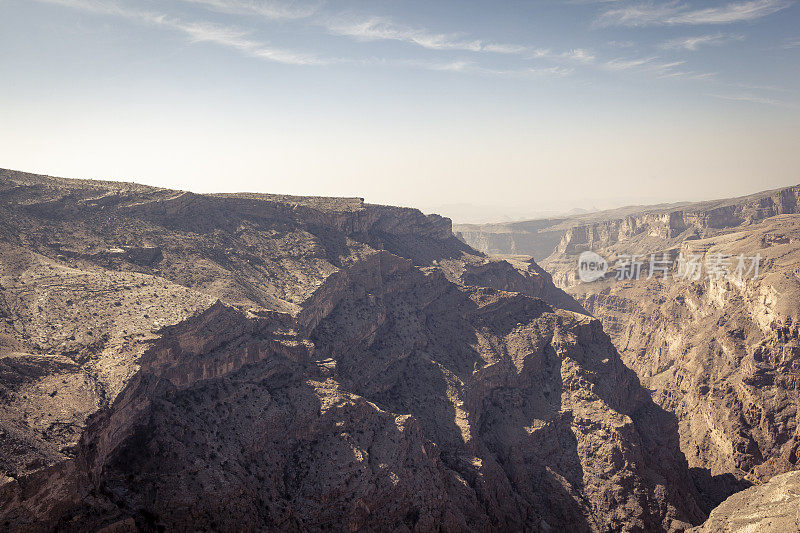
(720, 354)
(770, 508)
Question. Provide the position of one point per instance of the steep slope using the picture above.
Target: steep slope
(394, 399)
(361, 369)
(91, 271)
(722, 354)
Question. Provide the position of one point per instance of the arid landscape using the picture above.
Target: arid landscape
(419, 266)
(180, 361)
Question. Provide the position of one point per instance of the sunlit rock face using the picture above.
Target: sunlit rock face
(770, 508)
(721, 354)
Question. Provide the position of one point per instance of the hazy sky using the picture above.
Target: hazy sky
(512, 107)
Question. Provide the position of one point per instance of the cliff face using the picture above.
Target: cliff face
(396, 398)
(361, 369)
(553, 242)
(697, 219)
(721, 354)
(537, 238)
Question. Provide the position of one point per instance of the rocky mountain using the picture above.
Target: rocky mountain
(238, 362)
(720, 351)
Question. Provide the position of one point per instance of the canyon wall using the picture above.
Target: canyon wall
(548, 240)
(720, 353)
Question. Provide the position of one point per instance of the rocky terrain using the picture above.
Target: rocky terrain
(770, 508)
(91, 271)
(721, 353)
(238, 362)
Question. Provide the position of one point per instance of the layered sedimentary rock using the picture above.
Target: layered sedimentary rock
(551, 241)
(361, 369)
(722, 354)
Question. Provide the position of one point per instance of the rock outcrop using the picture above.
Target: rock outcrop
(635, 228)
(405, 400)
(771, 508)
(273, 362)
(91, 271)
(718, 353)
(722, 354)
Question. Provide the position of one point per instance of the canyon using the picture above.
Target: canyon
(720, 351)
(172, 360)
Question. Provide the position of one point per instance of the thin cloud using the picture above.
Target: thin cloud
(762, 87)
(264, 8)
(621, 44)
(675, 13)
(530, 72)
(651, 64)
(695, 42)
(689, 75)
(754, 99)
(470, 67)
(373, 29)
(239, 40)
(625, 64)
(366, 29)
(579, 54)
(381, 28)
(198, 32)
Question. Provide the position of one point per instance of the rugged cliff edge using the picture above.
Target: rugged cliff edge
(360, 369)
(721, 354)
(91, 271)
(771, 508)
(554, 241)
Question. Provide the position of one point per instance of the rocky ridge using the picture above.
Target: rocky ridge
(384, 411)
(91, 271)
(362, 369)
(719, 353)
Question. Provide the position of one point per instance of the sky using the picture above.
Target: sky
(480, 110)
